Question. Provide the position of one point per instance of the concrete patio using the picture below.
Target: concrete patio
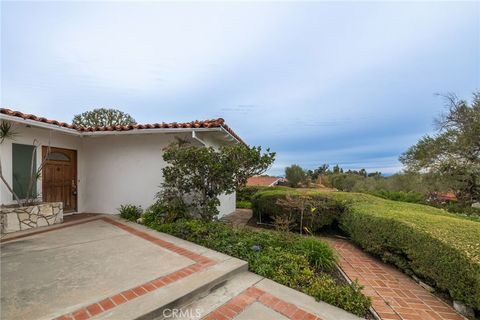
(103, 267)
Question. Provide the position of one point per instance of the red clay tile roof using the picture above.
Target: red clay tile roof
(214, 123)
(262, 181)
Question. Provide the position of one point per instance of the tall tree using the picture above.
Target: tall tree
(295, 175)
(453, 153)
(103, 117)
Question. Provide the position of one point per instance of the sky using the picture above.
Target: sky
(348, 83)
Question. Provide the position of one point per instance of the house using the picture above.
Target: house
(95, 170)
(264, 181)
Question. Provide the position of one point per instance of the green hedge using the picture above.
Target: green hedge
(302, 263)
(441, 248)
(246, 193)
(264, 203)
(244, 205)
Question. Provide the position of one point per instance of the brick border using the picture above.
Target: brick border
(108, 303)
(236, 305)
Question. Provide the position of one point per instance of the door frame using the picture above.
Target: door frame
(75, 171)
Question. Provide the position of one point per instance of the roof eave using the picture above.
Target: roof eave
(35, 123)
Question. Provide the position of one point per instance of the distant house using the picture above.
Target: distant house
(264, 181)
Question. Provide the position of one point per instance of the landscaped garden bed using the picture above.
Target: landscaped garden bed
(302, 263)
(442, 249)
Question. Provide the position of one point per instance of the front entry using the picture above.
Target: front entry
(59, 177)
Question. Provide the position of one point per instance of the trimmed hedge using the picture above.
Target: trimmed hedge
(302, 263)
(264, 203)
(246, 193)
(441, 248)
(244, 205)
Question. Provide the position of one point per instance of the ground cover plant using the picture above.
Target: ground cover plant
(302, 263)
(441, 248)
(130, 212)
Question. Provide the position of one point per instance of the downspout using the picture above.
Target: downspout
(194, 136)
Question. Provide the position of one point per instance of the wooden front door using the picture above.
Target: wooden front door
(59, 177)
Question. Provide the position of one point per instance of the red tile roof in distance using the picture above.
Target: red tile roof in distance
(214, 123)
(261, 181)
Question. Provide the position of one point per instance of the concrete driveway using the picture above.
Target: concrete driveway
(53, 273)
(103, 267)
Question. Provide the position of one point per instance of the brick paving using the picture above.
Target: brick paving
(108, 303)
(235, 306)
(394, 294)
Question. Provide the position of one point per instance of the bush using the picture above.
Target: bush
(349, 297)
(318, 253)
(130, 212)
(289, 259)
(441, 248)
(246, 193)
(244, 205)
(412, 197)
(265, 204)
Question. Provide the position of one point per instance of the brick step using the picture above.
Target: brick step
(250, 296)
(177, 293)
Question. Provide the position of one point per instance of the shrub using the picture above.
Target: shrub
(413, 197)
(130, 212)
(349, 297)
(441, 248)
(246, 193)
(318, 253)
(244, 205)
(289, 259)
(266, 204)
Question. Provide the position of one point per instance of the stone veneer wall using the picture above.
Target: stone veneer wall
(24, 218)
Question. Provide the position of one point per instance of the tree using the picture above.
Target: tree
(197, 176)
(295, 175)
(102, 118)
(453, 153)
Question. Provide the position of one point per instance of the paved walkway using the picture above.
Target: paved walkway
(394, 294)
(239, 217)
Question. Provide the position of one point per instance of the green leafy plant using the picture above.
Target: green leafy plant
(440, 248)
(196, 176)
(130, 212)
(318, 212)
(298, 262)
(244, 204)
(295, 175)
(318, 253)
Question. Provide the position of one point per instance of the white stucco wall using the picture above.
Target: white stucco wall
(112, 169)
(123, 169)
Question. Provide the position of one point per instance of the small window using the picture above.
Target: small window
(22, 169)
(57, 156)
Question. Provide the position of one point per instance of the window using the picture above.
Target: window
(22, 168)
(57, 156)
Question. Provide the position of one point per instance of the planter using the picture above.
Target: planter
(23, 218)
